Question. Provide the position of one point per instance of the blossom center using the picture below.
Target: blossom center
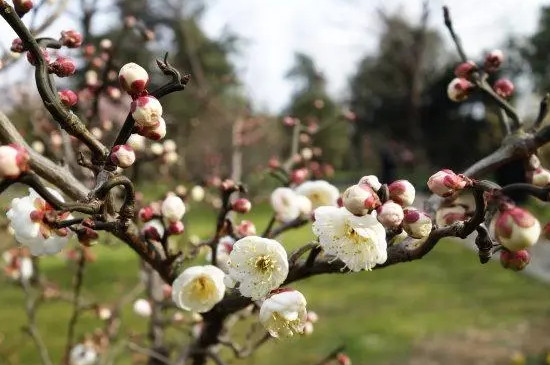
(202, 288)
(264, 264)
(280, 325)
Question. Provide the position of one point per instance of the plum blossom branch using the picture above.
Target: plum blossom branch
(30, 309)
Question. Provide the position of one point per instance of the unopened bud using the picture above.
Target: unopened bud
(504, 88)
(32, 59)
(146, 213)
(515, 261)
(372, 181)
(241, 205)
(68, 97)
(515, 228)
(87, 236)
(155, 133)
(445, 183)
(173, 208)
(71, 38)
(123, 155)
(448, 215)
(22, 6)
(17, 46)
(417, 224)
(493, 60)
(153, 230)
(360, 199)
(175, 228)
(133, 78)
(298, 176)
(390, 214)
(63, 67)
(146, 111)
(246, 228)
(14, 160)
(465, 69)
(459, 89)
(343, 359)
(402, 192)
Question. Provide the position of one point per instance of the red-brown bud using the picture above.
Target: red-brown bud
(63, 67)
(68, 97)
(465, 69)
(493, 60)
(515, 261)
(504, 88)
(241, 205)
(71, 38)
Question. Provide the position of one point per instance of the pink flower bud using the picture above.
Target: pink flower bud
(360, 199)
(445, 183)
(153, 230)
(402, 192)
(343, 359)
(14, 160)
(372, 181)
(504, 88)
(146, 111)
(45, 55)
(246, 228)
(173, 208)
(17, 46)
(465, 69)
(175, 228)
(146, 213)
(71, 38)
(515, 228)
(417, 224)
(459, 89)
(298, 176)
(241, 205)
(539, 177)
(515, 261)
(289, 121)
(22, 6)
(493, 60)
(123, 155)
(63, 67)
(390, 214)
(448, 215)
(68, 97)
(155, 133)
(133, 78)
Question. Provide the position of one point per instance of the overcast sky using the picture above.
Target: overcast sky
(336, 33)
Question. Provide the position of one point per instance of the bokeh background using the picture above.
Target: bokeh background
(373, 75)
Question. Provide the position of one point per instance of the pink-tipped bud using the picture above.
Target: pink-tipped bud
(173, 208)
(493, 60)
(71, 38)
(289, 121)
(87, 236)
(153, 230)
(17, 46)
(298, 176)
(465, 69)
(372, 181)
(246, 228)
(155, 133)
(22, 7)
(390, 214)
(459, 89)
(146, 213)
(343, 359)
(448, 215)
(445, 183)
(402, 192)
(360, 199)
(539, 177)
(146, 111)
(515, 228)
(241, 205)
(133, 78)
(175, 228)
(123, 155)
(14, 160)
(515, 261)
(32, 59)
(504, 88)
(417, 224)
(68, 97)
(63, 67)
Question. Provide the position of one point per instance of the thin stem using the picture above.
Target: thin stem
(31, 328)
(77, 288)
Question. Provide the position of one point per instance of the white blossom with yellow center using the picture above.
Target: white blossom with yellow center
(285, 204)
(198, 288)
(258, 265)
(360, 242)
(284, 314)
(320, 192)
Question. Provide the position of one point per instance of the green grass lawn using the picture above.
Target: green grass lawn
(377, 315)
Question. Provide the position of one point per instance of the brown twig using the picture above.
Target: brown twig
(77, 289)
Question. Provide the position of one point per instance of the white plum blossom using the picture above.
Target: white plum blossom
(14, 159)
(258, 264)
(137, 142)
(223, 249)
(197, 193)
(123, 155)
(198, 288)
(142, 307)
(26, 219)
(304, 205)
(284, 314)
(146, 111)
(285, 204)
(320, 192)
(359, 241)
(133, 78)
(173, 208)
(83, 354)
(372, 181)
